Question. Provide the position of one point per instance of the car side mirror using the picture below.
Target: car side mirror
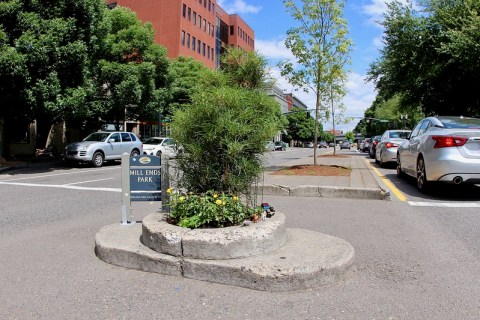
(111, 140)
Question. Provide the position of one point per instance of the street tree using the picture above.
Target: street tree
(131, 77)
(45, 60)
(321, 48)
(430, 56)
(301, 125)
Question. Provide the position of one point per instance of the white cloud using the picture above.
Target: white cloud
(273, 49)
(376, 9)
(238, 6)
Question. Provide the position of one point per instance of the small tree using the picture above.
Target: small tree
(321, 48)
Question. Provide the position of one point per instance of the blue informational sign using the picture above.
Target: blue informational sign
(145, 178)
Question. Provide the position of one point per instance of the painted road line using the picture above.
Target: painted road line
(71, 184)
(445, 204)
(60, 186)
(389, 184)
(59, 174)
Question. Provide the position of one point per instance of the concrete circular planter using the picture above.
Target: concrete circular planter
(215, 243)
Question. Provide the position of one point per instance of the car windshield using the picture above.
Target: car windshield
(153, 141)
(460, 123)
(97, 137)
(398, 134)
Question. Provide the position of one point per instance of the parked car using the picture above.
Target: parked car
(280, 146)
(345, 145)
(310, 145)
(373, 146)
(445, 149)
(366, 144)
(103, 146)
(331, 144)
(386, 149)
(322, 144)
(155, 146)
(360, 144)
(270, 146)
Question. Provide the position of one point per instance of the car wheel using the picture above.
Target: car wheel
(159, 153)
(400, 172)
(372, 154)
(380, 161)
(97, 159)
(422, 182)
(134, 153)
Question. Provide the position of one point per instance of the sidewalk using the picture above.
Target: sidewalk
(362, 183)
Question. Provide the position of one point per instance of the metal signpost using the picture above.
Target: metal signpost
(141, 181)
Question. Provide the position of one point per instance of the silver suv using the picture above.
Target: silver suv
(101, 146)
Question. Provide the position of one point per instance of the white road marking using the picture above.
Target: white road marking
(445, 204)
(60, 186)
(70, 184)
(60, 174)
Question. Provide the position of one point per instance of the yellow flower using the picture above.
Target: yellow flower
(181, 198)
(215, 195)
(219, 202)
(169, 190)
(235, 198)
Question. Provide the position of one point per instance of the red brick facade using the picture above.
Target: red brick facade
(196, 28)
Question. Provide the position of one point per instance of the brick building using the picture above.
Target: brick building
(200, 29)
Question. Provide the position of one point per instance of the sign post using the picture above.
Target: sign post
(141, 181)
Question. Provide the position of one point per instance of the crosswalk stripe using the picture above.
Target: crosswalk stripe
(445, 204)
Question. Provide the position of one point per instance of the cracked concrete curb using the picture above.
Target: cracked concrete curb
(307, 260)
(324, 192)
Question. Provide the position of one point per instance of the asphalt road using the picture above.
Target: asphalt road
(411, 262)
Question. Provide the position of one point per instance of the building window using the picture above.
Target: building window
(198, 46)
(194, 42)
(208, 52)
(203, 49)
(189, 14)
(232, 30)
(194, 17)
(184, 10)
(204, 25)
(205, 3)
(188, 40)
(183, 38)
(209, 5)
(212, 54)
(199, 21)
(213, 7)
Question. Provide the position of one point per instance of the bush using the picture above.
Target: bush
(223, 134)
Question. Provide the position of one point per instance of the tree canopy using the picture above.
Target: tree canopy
(431, 57)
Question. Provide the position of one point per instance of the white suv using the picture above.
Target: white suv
(102, 146)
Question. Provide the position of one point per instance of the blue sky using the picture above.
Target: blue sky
(270, 22)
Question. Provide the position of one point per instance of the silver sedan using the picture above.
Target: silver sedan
(443, 149)
(386, 150)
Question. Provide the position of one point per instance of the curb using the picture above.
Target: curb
(324, 192)
(307, 260)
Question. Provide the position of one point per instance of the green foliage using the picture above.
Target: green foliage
(209, 210)
(350, 135)
(45, 51)
(301, 125)
(245, 69)
(132, 72)
(223, 133)
(431, 57)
